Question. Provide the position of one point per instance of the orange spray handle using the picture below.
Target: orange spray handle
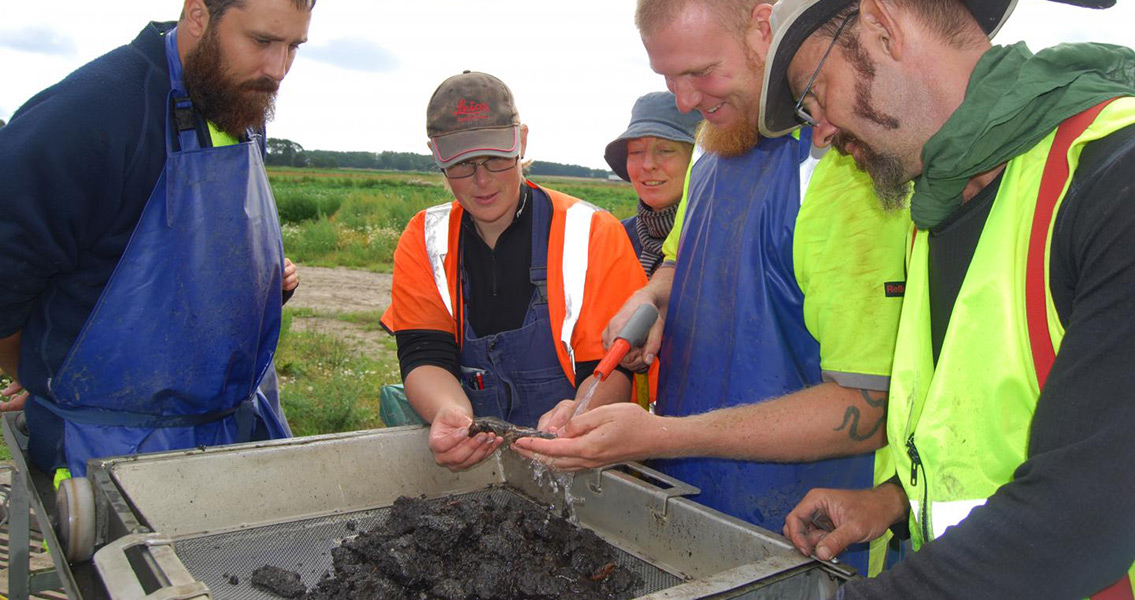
(615, 355)
(632, 335)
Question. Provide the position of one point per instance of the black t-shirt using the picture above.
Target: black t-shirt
(1064, 527)
(497, 281)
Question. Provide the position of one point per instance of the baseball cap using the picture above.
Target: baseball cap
(656, 115)
(793, 21)
(472, 114)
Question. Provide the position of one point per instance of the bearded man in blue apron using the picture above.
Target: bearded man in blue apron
(141, 240)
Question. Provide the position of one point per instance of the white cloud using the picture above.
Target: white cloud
(574, 67)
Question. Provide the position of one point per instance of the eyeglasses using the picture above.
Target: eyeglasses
(801, 112)
(468, 168)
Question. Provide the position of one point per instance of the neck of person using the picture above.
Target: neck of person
(978, 182)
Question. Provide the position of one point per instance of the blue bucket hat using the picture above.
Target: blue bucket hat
(655, 114)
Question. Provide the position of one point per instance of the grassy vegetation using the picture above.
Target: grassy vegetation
(354, 218)
(325, 385)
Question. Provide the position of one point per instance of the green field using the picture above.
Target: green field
(354, 218)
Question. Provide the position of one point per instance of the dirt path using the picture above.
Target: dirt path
(342, 290)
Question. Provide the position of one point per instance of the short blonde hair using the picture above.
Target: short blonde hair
(653, 15)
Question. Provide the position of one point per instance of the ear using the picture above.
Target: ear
(759, 35)
(523, 139)
(881, 29)
(194, 19)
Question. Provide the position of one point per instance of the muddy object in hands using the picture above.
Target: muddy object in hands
(477, 549)
(506, 430)
(280, 582)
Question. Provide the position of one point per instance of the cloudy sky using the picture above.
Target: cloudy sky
(363, 80)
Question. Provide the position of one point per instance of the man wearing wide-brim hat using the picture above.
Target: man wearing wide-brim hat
(1010, 410)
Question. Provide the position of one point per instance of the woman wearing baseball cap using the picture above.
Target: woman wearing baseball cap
(500, 297)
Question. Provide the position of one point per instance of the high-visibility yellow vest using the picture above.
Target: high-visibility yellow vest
(958, 430)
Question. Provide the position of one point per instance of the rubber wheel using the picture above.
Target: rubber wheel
(75, 505)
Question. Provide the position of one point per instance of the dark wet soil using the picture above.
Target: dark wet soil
(281, 582)
(477, 549)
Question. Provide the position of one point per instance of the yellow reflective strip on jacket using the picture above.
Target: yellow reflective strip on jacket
(968, 446)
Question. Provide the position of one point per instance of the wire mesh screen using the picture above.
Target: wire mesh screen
(225, 561)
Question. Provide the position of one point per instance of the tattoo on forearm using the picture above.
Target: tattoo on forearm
(852, 415)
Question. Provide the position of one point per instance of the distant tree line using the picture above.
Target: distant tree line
(286, 153)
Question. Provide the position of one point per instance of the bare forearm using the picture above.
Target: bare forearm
(431, 389)
(658, 288)
(10, 356)
(617, 388)
(818, 422)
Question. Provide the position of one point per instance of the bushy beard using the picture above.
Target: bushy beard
(892, 184)
(742, 136)
(891, 181)
(232, 106)
(730, 140)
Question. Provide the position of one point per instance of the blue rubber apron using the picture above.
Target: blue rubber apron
(516, 375)
(184, 332)
(735, 331)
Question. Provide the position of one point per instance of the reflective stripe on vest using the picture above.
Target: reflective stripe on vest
(577, 236)
(437, 248)
(573, 270)
(947, 514)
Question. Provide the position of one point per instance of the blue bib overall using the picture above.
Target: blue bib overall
(515, 375)
(183, 334)
(735, 331)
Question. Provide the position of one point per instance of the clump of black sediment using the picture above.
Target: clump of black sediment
(474, 548)
(277, 581)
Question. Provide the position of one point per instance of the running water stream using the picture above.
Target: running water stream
(559, 480)
(586, 400)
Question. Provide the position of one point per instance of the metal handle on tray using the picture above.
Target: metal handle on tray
(659, 497)
(123, 583)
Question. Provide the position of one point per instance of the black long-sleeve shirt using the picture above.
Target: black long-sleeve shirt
(1063, 528)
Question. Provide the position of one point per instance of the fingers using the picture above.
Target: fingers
(653, 342)
(633, 361)
(457, 451)
(556, 418)
(802, 525)
(16, 403)
(831, 544)
(469, 454)
(798, 532)
(15, 398)
(291, 276)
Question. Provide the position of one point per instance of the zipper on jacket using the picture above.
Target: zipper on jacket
(915, 465)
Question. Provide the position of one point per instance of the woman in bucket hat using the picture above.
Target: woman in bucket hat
(654, 154)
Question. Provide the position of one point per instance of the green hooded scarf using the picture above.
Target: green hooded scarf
(1014, 99)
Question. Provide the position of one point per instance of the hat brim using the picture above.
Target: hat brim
(616, 153)
(453, 148)
(778, 106)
